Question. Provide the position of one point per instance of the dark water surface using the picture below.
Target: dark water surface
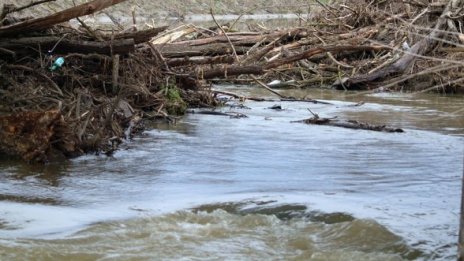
(256, 188)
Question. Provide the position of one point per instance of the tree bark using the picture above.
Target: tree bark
(185, 50)
(31, 135)
(141, 36)
(224, 59)
(246, 39)
(121, 46)
(56, 18)
(349, 124)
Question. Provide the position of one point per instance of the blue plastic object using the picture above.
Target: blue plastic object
(57, 64)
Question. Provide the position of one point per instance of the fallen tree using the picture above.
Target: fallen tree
(28, 44)
(350, 124)
(56, 18)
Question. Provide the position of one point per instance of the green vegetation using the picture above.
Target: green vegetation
(175, 105)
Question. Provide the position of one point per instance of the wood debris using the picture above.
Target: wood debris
(111, 79)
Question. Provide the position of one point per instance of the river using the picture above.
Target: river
(256, 188)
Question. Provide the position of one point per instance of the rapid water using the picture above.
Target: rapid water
(256, 188)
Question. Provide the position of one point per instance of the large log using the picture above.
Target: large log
(349, 124)
(56, 18)
(173, 62)
(243, 39)
(246, 39)
(184, 50)
(119, 46)
(233, 70)
(141, 36)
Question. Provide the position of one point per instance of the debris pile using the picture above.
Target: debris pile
(383, 45)
(69, 88)
(78, 90)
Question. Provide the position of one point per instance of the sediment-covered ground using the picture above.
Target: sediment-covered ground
(179, 8)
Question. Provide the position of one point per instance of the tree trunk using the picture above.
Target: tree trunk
(120, 46)
(56, 18)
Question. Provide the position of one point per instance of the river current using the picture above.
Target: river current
(257, 188)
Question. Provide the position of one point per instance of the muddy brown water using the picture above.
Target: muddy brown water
(256, 188)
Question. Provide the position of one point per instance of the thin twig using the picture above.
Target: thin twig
(8, 52)
(330, 55)
(316, 116)
(266, 87)
(159, 57)
(134, 21)
(235, 22)
(89, 30)
(114, 20)
(419, 15)
(326, 8)
(225, 34)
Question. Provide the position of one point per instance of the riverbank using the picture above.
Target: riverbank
(160, 10)
(111, 80)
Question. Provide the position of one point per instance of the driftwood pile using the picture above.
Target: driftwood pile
(93, 100)
(111, 79)
(417, 45)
